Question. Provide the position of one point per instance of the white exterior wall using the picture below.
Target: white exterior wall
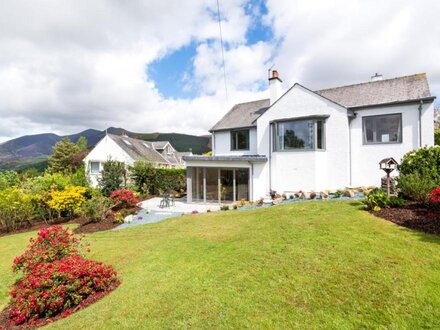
(306, 170)
(222, 143)
(105, 150)
(366, 158)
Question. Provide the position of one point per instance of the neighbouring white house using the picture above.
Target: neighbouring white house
(129, 150)
(312, 140)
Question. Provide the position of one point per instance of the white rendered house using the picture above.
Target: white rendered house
(312, 140)
(128, 150)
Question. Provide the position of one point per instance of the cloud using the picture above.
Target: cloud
(74, 64)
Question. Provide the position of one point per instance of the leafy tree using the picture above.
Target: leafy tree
(82, 143)
(61, 160)
(113, 177)
(437, 137)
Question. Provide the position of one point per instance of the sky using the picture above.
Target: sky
(156, 66)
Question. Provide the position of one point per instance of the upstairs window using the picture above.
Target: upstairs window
(299, 135)
(240, 139)
(94, 167)
(382, 129)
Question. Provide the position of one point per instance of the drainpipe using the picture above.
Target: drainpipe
(270, 155)
(349, 149)
(213, 143)
(420, 123)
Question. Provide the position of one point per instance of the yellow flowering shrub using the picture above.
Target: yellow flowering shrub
(16, 207)
(67, 201)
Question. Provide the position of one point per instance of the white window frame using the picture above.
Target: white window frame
(91, 167)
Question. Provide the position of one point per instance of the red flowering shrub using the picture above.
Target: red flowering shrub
(51, 288)
(435, 196)
(56, 278)
(434, 201)
(51, 244)
(124, 198)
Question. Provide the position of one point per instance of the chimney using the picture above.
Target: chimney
(274, 87)
(376, 77)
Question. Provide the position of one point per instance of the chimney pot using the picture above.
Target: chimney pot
(275, 90)
(376, 77)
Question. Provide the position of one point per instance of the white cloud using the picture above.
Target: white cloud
(70, 65)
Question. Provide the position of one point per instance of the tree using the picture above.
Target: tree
(82, 143)
(113, 177)
(61, 160)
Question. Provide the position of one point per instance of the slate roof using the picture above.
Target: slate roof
(242, 115)
(373, 93)
(142, 150)
(387, 91)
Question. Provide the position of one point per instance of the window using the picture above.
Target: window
(94, 167)
(127, 142)
(240, 140)
(382, 129)
(299, 134)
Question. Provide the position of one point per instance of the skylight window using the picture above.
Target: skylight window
(127, 142)
(145, 144)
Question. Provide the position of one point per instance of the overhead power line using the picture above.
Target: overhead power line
(223, 52)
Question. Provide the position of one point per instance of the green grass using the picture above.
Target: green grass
(307, 265)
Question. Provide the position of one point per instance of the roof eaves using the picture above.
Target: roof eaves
(232, 128)
(388, 104)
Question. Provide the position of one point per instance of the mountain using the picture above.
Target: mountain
(33, 150)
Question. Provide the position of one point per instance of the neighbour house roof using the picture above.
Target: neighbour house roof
(380, 92)
(242, 115)
(159, 144)
(142, 150)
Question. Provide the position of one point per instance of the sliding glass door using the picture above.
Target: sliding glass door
(211, 184)
(219, 185)
(242, 184)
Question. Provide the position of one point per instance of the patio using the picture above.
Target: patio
(180, 206)
(152, 212)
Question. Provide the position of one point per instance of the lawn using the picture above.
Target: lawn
(305, 265)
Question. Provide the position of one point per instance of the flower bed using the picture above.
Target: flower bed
(56, 280)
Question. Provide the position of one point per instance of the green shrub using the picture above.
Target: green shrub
(419, 173)
(156, 181)
(416, 187)
(437, 137)
(95, 208)
(16, 207)
(144, 177)
(376, 200)
(9, 179)
(113, 177)
(425, 162)
(396, 201)
(224, 208)
(46, 183)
